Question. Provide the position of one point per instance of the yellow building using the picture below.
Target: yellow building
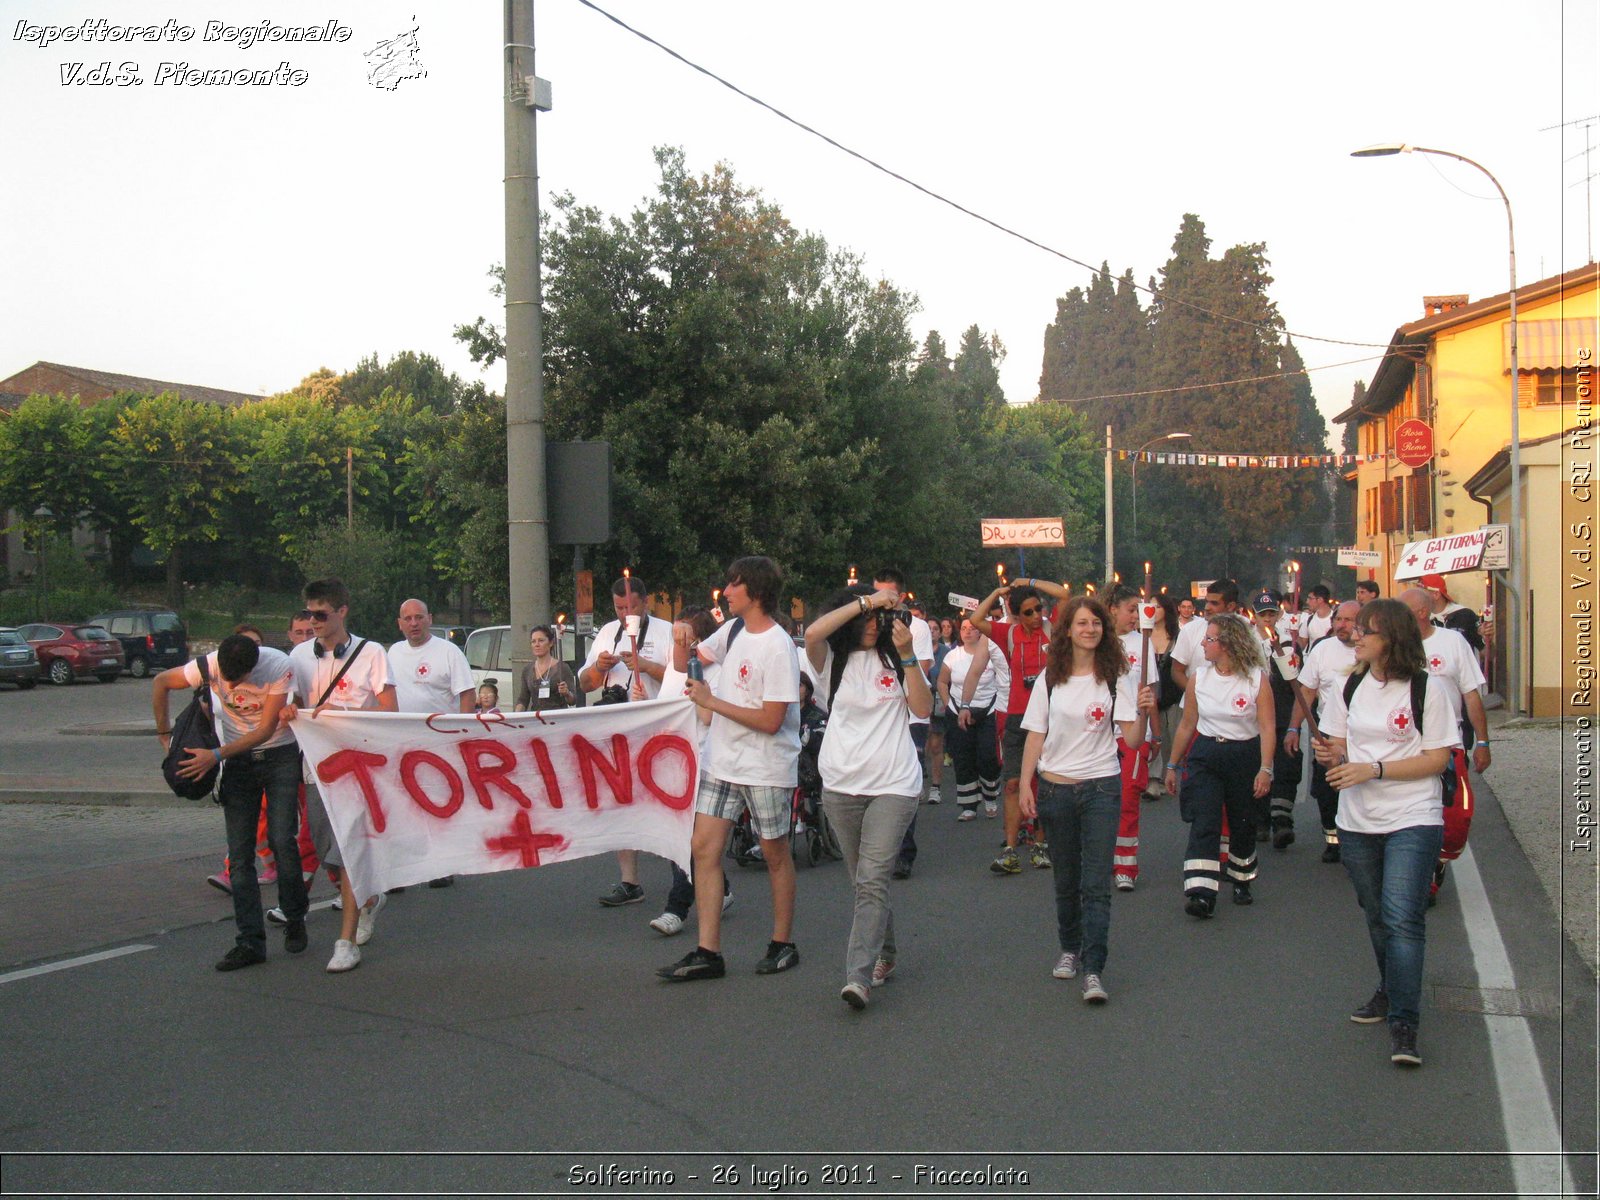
(1451, 369)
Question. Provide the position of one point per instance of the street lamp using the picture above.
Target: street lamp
(1166, 437)
(1514, 649)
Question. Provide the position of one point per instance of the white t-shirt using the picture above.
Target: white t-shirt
(1187, 649)
(868, 750)
(958, 661)
(429, 678)
(1328, 664)
(1133, 651)
(361, 685)
(1080, 739)
(655, 646)
(757, 668)
(1451, 659)
(236, 707)
(1290, 625)
(1002, 677)
(1227, 702)
(1314, 626)
(922, 651)
(1380, 728)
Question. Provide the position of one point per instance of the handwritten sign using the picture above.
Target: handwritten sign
(1349, 556)
(962, 603)
(1031, 531)
(1441, 555)
(413, 797)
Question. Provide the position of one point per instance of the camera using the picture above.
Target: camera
(888, 616)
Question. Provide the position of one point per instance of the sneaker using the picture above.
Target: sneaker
(622, 893)
(902, 869)
(1200, 905)
(1282, 835)
(1038, 857)
(345, 957)
(854, 995)
(337, 904)
(267, 874)
(220, 882)
(881, 970)
(697, 964)
(1093, 993)
(294, 937)
(1066, 967)
(968, 814)
(369, 918)
(1124, 882)
(933, 794)
(1403, 1044)
(1006, 863)
(667, 924)
(1374, 1010)
(447, 881)
(241, 956)
(1241, 894)
(1330, 852)
(991, 809)
(780, 957)
(727, 901)
(275, 916)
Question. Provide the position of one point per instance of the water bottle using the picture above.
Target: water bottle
(695, 669)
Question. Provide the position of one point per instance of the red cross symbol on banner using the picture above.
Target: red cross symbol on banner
(523, 841)
(1411, 560)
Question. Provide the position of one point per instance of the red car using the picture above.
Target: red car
(69, 651)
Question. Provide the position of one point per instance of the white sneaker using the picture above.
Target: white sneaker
(337, 903)
(1124, 883)
(345, 957)
(275, 915)
(990, 808)
(1093, 993)
(881, 970)
(368, 918)
(1066, 967)
(667, 924)
(727, 901)
(854, 995)
(968, 814)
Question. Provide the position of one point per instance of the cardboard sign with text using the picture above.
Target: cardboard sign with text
(1441, 555)
(1031, 531)
(414, 797)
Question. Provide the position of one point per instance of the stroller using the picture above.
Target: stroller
(811, 838)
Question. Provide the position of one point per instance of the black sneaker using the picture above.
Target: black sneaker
(1241, 894)
(294, 937)
(902, 869)
(780, 957)
(1330, 852)
(1199, 905)
(241, 956)
(1374, 1010)
(697, 964)
(1282, 835)
(622, 893)
(1403, 1044)
(450, 881)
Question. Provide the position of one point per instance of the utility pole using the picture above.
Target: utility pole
(349, 488)
(526, 511)
(1110, 556)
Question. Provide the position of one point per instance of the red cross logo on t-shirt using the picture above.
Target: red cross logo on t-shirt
(1399, 722)
(744, 672)
(1095, 716)
(1240, 703)
(1436, 663)
(886, 682)
(422, 670)
(1133, 659)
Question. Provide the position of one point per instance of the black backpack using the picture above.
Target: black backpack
(193, 730)
(1419, 694)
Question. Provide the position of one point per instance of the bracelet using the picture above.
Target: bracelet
(1267, 771)
(862, 602)
(908, 662)
(163, 733)
(1377, 770)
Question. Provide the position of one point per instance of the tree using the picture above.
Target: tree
(408, 373)
(42, 468)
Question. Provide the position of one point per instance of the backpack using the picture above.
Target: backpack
(1448, 777)
(193, 730)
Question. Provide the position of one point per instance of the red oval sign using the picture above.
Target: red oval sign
(1413, 442)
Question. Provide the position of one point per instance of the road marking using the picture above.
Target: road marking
(1531, 1129)
(84, 961)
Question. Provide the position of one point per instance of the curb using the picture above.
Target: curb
(107, 799)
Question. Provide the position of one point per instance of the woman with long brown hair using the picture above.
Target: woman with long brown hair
(1072, 722)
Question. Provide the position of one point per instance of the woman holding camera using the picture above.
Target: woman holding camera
(1385, 758)
(869, 677)
(969, 721)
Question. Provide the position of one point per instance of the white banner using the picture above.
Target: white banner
(414, 797)
(1441, 555)
(962, 603)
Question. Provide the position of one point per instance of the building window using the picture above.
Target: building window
(1555, 387)
(1391, 512)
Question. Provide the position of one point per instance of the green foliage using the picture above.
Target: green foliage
(69, 588)
(380, 573)
(42, 444)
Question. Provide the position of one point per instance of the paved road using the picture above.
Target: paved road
(511, 1014)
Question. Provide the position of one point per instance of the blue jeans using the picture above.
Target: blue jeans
(277, 773)
(1080, 823)
(1392, 873)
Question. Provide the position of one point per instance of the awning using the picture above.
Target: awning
(1551, 345)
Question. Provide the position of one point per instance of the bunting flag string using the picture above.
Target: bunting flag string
(1169, 458)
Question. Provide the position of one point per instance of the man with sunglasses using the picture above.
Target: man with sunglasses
(337, 670)
(1023, 640)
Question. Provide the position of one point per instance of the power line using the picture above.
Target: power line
(1200, 387)
(943, 199)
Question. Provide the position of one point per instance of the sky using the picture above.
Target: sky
(243, 237)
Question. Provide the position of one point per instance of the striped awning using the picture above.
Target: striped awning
(1551, 345)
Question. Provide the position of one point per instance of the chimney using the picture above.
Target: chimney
(1433, 306)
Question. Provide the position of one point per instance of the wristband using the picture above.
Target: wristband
(908, 662)
(1267, 771)
(168, 733)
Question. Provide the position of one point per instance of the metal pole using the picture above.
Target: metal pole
(528, 527)
(1110, 556)
(1133, 525)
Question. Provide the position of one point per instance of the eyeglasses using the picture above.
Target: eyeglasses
(1361, 633)
(319, 614)
(1210, 638)
(1028, 612)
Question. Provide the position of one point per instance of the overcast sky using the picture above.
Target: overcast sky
(243, 237)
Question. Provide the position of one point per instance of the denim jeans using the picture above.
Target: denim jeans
(869, 829)
(1080, 823)
(275, 772)
(1392, 873)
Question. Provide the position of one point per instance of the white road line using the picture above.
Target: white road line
(30, 972)
(1532, 1135)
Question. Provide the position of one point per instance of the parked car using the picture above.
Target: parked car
(489, 651)
(456, 635)
(69, 650)
(152, 638)
(18, 663)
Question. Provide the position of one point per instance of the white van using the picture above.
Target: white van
(489, 652)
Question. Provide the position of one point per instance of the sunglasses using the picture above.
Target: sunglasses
(319, 614)
(1028, 612)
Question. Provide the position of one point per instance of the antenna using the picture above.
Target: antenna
(1588, 179)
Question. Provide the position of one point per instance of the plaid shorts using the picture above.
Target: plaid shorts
(769, 806)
